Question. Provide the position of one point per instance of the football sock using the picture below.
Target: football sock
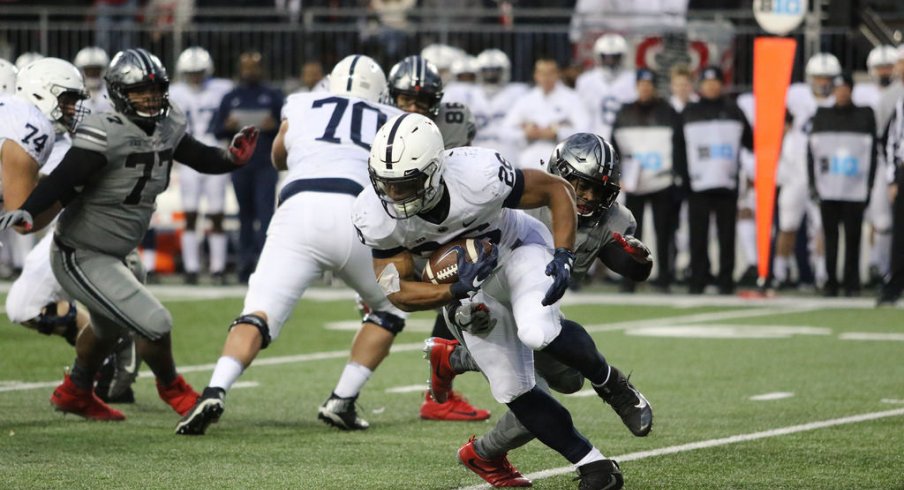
(81, 377)
(747, 237)
(461, 361)
(149, 259)
(593, 455)
(228, 370)
(190, 254)
(551, 423)
(882, 251)
(780, 268)
(218, 246)
(506, 435)
(352, 380)
(575, 348)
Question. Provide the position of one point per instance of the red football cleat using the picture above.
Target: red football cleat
(497, 472)
(179, 395)
(437, 351)
(456, 408)
(69, 398)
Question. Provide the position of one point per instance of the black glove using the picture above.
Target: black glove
(560, 270)
(634, 247)
(471, 276)
(19, 217)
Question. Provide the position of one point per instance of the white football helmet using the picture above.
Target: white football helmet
(495, 67)
(194, 60)
(45, 81)
(880, 63)
(7, 77)
(823, 65)
(442, 56)
(610, 50)
(95, 60)
(25, 59)
(359, 76)
(465, 65)
(406, 165)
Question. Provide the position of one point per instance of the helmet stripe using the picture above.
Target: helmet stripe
(145, 60)
(351, 73)
(389, 140)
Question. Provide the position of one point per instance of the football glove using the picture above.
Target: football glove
(472, 317)
(560, 270)
(19, 217)
(471, 276)
(634, 247)
(243, 144)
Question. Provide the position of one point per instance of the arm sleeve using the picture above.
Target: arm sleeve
(621, 262)
(75, 170)
(203, 158)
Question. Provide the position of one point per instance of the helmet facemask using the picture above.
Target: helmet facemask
(70, 109)
(151, 107)
(406, 196)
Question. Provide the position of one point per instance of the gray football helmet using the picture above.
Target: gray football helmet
(591, 159)
(133, 70)
(416, 77)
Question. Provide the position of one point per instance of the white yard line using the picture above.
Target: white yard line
(723, 441)
(765, 397)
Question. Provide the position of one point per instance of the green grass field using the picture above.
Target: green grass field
(698, 365)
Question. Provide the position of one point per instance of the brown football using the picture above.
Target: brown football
(442, 266)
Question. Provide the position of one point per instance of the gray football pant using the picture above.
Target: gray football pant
(112, 288)
(509, 433)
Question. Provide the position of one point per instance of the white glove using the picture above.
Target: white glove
(472, 317)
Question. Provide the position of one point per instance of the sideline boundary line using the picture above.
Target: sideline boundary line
(722, 441)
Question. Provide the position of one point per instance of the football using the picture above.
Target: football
(442, 266)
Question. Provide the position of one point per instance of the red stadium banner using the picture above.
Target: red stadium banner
(773, 59)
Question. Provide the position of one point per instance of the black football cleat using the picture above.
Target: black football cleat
(340, 413)
(207, 410)
(600, 475)
(633, 408)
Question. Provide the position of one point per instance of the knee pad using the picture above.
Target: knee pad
(48, 321)
(259, 323)
(387, 321)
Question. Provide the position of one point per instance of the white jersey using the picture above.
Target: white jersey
(330, 135)
(604, 96)
(200, 104)
(467, 93)
(802, 104)
(60, 146)
(867, 95)
(562, 108)
(25, 125)
(98, 101)
(748, 161)
(490, 118)
(480, 188)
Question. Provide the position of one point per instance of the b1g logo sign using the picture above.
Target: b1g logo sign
(779, 17)
(843, 165)
(650, 161)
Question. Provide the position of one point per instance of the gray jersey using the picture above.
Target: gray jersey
(111, 214)
(456, 123)
(592, 237)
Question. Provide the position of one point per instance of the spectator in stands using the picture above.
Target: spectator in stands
(682, 87)
(393, 31)
(114, 25)
(715, 129)
(841, 157)
(252, 103)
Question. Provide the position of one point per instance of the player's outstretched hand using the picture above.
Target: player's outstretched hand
(560, 270)
(243, 144)
(634, 247)
(472, 275)
(18, 218)
(472, 317)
